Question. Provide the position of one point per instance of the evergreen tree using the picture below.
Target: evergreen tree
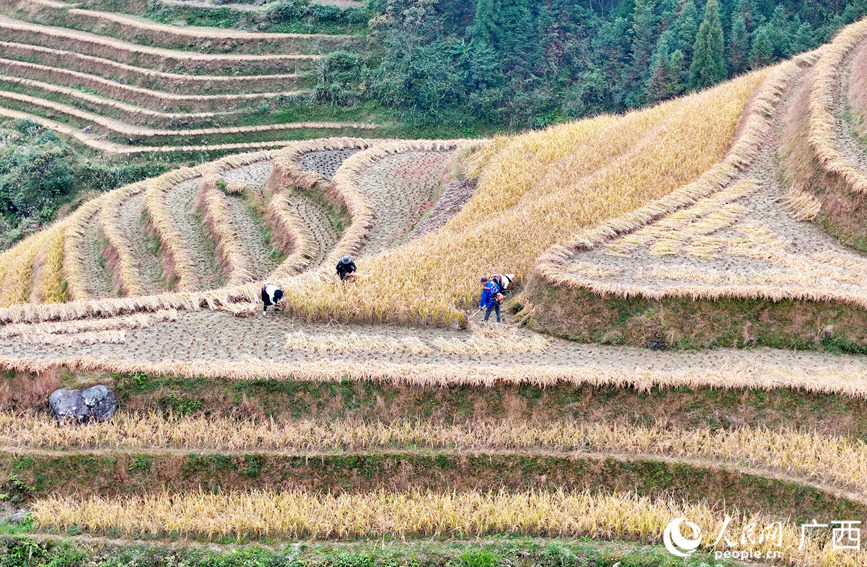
(676, 84)
(803, 39)
(739, 45)
(762, 50)
(657, 85)
(484, 24)
(686, 27)
(708, 65)
(643, 29)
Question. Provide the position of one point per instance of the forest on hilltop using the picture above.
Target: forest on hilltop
(526, 64)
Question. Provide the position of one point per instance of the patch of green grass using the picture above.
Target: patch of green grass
(26, 551)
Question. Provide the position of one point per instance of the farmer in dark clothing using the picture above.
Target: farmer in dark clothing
(345, 267)
(271, 295)
(489, 298)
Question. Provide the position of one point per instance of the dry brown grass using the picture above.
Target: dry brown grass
(419, 514)
(823, 106)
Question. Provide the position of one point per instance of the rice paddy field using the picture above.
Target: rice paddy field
(685, 337)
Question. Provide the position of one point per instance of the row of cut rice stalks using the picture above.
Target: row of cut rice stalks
(824, 107)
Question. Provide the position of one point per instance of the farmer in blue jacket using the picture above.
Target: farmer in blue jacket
(489, 298)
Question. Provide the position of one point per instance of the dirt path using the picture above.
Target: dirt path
(97, 273)
(147, 263)
(180, 203)
(401, 187)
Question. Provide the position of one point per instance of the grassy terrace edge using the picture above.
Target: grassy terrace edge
(685, 323)
(36, 549)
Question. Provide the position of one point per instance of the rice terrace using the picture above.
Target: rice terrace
(464, 283)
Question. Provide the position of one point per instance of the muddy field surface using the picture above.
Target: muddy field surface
(325, 163)
(147, 263)
(180, 201)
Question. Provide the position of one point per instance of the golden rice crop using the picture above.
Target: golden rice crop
(18, 269)
(758, 242)
(507, 344)
(840, 461)
(536, 191)
(847, 382)
(480, 343)
(801, 204)
(824, 95)
(382, 514)
(50, 286)
(685, 219)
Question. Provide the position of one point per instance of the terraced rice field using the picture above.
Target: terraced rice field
(123, 85)
(422, 422)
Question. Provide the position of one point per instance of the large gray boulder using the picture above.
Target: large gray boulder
(97, 403)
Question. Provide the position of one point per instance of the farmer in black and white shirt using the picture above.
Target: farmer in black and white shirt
(271, 295)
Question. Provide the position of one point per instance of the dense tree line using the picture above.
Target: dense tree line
(39, 173)
(528, 63)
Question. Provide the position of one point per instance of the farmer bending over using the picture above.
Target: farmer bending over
(271, 295)
(345, 267)
(490, 298)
